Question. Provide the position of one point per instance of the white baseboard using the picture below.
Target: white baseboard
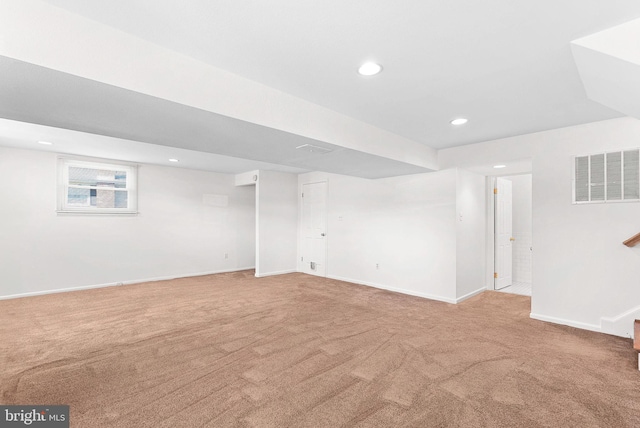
(397, 290)
(280, 272)
(469, 295)
(621, 325)
(112, 284)
(570, 323)
(58, 290)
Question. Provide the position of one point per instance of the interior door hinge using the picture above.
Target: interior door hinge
(495, 190)
(495, 274)
(303, 195)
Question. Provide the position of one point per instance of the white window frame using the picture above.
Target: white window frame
(606, 200)
(63, 186)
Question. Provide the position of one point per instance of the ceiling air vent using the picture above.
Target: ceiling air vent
(313, 149)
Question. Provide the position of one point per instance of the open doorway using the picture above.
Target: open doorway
(513, 234)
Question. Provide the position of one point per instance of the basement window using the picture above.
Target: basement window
(607, 177)
(96, 188)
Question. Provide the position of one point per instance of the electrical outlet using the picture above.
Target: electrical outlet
(377, 265)
(226, 255)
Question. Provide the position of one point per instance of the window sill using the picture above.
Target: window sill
(98, 213)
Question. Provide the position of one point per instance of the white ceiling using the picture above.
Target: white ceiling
(609, 65)
(504, 64)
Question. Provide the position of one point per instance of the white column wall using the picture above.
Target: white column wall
(276, 220)
(471, 220)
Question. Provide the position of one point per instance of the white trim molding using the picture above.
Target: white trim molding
(112, 284)
(280, 272)
(470, 295)
(570, 323)
(398, 290)
(621, 325)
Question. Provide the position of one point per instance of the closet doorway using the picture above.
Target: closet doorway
(513, 234)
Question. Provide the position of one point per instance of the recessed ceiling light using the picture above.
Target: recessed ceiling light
(499, 166)
(459, 121)
(173, 160)
(45, 143)
(369, 69)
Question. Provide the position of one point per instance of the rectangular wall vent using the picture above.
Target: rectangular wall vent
(607, 177)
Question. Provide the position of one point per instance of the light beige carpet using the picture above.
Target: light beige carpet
(300, 351)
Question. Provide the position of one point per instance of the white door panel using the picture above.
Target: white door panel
(314, 228)
(503, 233)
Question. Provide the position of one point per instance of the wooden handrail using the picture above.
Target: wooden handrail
(634, 240)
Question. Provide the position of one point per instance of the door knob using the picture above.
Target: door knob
(322, 234)
(512, 239)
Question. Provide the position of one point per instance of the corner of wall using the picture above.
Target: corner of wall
(470, 295)
(248, 178)
(621, 325)
(470, 233)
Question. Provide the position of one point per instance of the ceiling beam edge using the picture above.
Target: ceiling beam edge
(36, 32)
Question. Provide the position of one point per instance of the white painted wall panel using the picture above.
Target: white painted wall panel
(470, 233)
(404, 225)
(277, 217)
(175, 234)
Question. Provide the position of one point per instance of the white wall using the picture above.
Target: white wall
(277, 219)
(581, 270)
(175, 234)
(406, 225)
(522, 225)
(470, 233)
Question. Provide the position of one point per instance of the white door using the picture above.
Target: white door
(314, 228)
(503, 233)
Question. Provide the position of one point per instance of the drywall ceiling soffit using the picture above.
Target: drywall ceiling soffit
(37, 33)
(23, 135)
(506, 65)
(511, 167)
(609, 65)
(38, 95)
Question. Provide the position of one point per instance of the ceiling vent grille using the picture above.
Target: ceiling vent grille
(310, 148)
(607, 177)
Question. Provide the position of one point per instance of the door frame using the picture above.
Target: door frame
(299, 255)
(491, 232)
(496, 237)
